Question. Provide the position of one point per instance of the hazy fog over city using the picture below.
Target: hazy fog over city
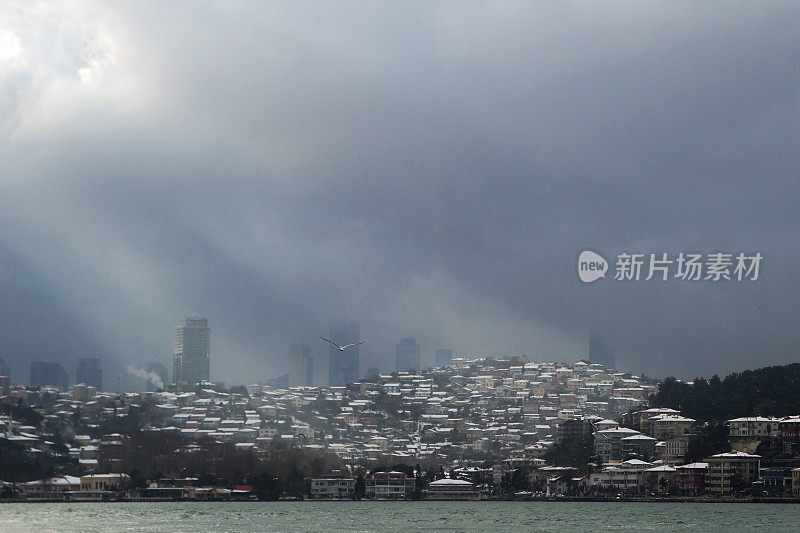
(428, 170)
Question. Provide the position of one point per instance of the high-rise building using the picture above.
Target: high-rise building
(600, 351)
(408, 355)
(5, 370)
(157, 376)
(192, 351)
(89, 372)
(301, 366)
(343, 366)
(44, 373)
(442, 358)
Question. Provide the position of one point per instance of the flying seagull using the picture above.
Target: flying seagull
(341, 348)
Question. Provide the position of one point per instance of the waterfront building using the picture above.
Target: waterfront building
(333, 488)
(796, 480)
(389, 486)
(692, 478)
(731, 472)
(452, 489)
(104, 482)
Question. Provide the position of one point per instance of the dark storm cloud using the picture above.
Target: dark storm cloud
(431, 171)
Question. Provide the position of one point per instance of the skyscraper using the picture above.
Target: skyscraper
(442, 358)
(301, 367)
(343, 366)
(600, 351)
(46, 373)
(407, 355)
(89, 372)
(192, 351)
(5, 370)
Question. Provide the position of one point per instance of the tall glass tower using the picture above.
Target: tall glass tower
(192, 350)
(90, 372)
(343, 366)
(301, 366)
(407, 355)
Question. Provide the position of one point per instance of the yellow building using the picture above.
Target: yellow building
(101, 482)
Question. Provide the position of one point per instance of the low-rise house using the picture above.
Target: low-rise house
(619, 477)
(452, 489)
(389, 486)
(334, 488)
(49, 485)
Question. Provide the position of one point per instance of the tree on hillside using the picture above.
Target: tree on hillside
(769, 391)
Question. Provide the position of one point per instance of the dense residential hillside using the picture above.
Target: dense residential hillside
(765, 391)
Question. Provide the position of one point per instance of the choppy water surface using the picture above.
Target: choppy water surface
(399, 516)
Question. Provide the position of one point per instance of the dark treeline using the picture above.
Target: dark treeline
(571, 452)
(770, 391)
(281, 470)
(17, 465)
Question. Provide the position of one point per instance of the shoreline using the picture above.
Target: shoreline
(686, 499)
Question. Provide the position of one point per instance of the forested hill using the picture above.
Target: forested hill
(770, 391)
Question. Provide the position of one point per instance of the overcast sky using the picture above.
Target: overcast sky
(426, 169)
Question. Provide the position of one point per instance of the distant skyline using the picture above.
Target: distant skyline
(423, 169)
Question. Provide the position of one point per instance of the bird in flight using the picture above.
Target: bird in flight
(341, 348)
